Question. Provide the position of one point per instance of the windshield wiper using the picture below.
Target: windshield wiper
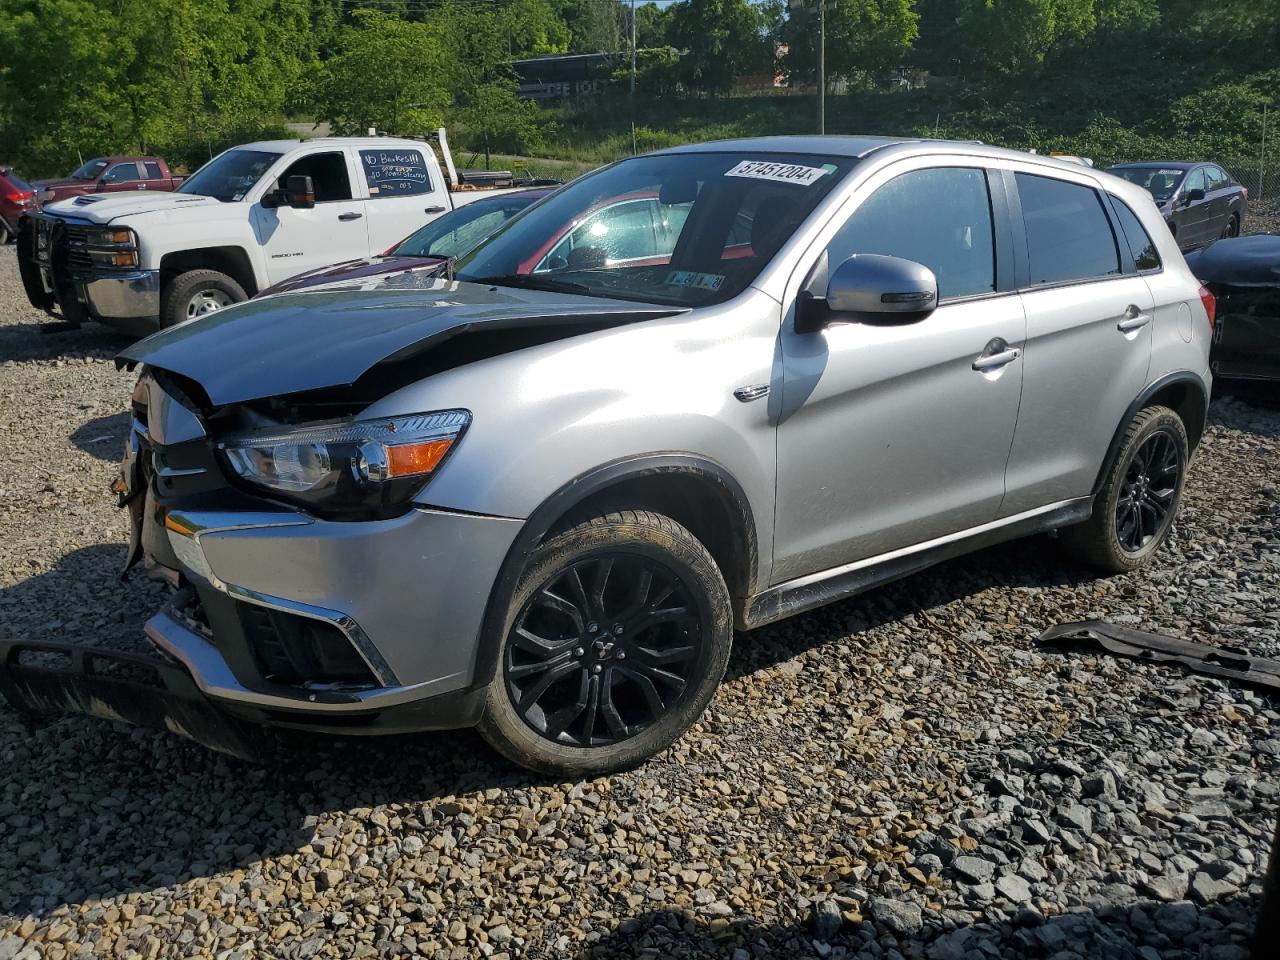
(531, 281)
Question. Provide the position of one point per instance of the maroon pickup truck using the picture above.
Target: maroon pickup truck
(111, 175)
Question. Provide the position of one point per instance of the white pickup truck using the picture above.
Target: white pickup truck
(252, 216)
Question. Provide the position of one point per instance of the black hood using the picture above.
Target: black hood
(1239, 261)
(293, 342)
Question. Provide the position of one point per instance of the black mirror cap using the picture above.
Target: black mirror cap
(1195, 195)
(300, 193)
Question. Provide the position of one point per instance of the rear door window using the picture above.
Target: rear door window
(395, 173)
(153, 171)
(940, 217)
(1068, 235)
(1140, 243)
(121, 173)
(1218, 179)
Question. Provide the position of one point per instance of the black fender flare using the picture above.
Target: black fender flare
(1192, 380)
(578, 491)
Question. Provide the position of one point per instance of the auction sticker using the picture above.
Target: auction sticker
(781, 172)
(691, 278)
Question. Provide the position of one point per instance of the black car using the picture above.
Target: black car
(1200, 201)
(1243, 273)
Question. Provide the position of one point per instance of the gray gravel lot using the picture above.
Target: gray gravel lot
(899, 775)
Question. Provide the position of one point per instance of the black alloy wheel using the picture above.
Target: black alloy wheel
(1149, 492)
(603, 650)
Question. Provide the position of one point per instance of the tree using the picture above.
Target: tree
(863, 36)
(720, 41)
(653, 26)
(495, 119)
(387, 73)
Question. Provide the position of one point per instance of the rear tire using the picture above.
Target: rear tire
(197, 293)
(617, 635)
(1232, 229)
(1140, 498)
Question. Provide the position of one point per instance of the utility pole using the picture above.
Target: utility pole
(822, 69)
(633, 48)
(1262, 154)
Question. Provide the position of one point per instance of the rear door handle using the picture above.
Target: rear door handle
(1133, 319)
(350, 216)
(433, 210)
(990, 361)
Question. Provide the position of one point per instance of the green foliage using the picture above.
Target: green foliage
(387, 73)
(863, 36)
(495, 119)
(720, 41)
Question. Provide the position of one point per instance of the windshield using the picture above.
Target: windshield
(685, 228)
(1160, 182)
(229, 176)
(457, 232)
(90, 170)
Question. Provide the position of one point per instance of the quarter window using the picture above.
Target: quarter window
(940, 217)
(1141, 246)
(1068, 234)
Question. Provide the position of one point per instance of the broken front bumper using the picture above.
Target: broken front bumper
(51, 679)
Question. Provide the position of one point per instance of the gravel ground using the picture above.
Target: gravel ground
(904, 774)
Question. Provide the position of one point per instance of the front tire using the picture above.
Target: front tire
(197, 293)
(617, 635)
(1140, 498)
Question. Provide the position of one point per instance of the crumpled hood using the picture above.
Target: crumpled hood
(105, 207)
(309, 340)
(353, 272)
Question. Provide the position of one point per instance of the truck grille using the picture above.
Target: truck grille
(76, 240)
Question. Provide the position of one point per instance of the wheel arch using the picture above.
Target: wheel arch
(696, 492)
(231, 260)
(1184, 392)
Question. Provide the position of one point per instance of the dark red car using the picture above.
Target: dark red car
(17, 198)
(426, 249)
(111, 175)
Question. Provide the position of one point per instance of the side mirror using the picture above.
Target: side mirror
(1192, 196)
(871, 288)
(300, 193)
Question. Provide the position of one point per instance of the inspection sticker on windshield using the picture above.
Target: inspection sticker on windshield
(691, 278)
(782, 172)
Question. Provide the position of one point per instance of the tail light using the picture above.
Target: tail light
(18, 196)
(1210, 305)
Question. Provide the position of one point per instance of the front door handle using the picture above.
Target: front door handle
(1133, 319)
(990, 361)
(433, 209)
(350, 216)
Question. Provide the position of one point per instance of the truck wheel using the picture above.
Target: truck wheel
(196, 293)
(1139, 501)
(617, 635)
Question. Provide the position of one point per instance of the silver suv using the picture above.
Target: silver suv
(692, 392)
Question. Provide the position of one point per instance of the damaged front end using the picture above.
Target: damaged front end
(311, 588)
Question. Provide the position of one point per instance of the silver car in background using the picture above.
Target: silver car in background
(698, 390)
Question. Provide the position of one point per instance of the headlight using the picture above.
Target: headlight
(114, 246)
(353, 468)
